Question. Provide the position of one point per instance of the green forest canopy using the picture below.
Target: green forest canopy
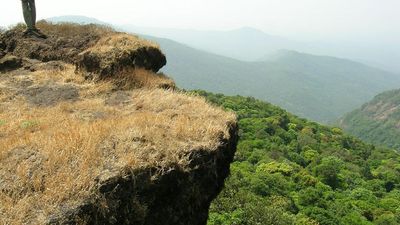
(288, 170)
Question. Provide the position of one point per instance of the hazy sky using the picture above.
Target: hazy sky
(361, 20)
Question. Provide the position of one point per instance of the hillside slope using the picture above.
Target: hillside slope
(315, 87)
(288, 170)
(377, 121)
(90, 133)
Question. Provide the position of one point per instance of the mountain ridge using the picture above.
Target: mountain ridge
(280, 82)
(377, 121)
(245, 43)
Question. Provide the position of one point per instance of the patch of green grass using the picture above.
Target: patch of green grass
(29, 124)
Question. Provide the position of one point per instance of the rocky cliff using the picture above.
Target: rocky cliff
(90, 133)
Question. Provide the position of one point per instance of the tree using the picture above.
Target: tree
(328, 171)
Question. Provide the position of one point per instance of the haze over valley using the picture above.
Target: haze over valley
(251, 44)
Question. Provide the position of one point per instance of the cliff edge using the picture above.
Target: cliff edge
(90, 133)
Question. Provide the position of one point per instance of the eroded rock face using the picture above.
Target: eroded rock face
(9, 63)
(2, 48)
(148, 197)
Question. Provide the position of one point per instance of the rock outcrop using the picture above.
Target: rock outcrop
(91, 134)
(91, 48)
(179, 196)
(115, 53)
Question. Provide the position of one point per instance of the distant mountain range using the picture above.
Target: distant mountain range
(315, 87)
(249, 44)
(321, 88)
(76, 19)
(377, 121)
(246, 44)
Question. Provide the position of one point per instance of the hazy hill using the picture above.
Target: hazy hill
(76, 19)
(377, 121)
(316, 87)
(247, 44)
(250, 44)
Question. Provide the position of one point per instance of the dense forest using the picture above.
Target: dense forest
(288, 170)
(377, 121)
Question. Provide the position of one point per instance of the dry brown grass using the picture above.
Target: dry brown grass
(126, 80)
(139, 78)
(65, 75)
(50, 156)
(122, 42)
(3, 93)
(72, 30)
